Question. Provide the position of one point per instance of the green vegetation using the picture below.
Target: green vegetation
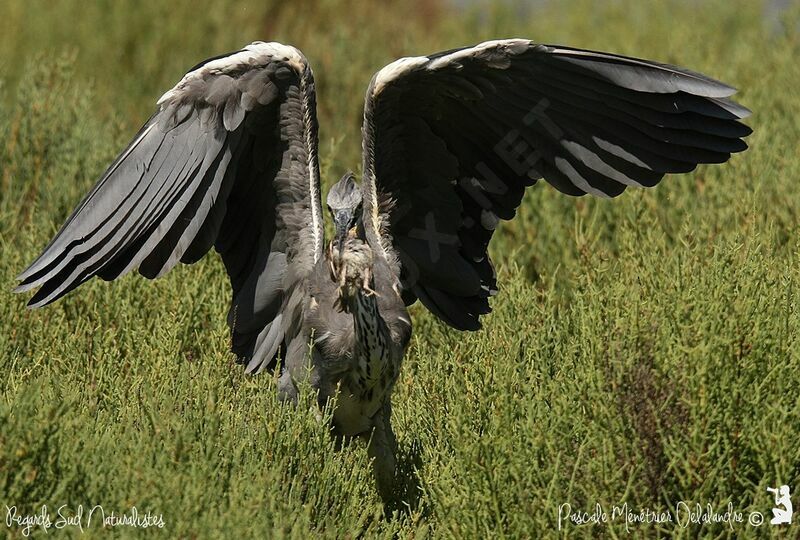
(642, 350)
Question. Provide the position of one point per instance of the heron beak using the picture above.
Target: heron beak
(342, 220)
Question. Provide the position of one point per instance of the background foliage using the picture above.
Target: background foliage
(642, 350)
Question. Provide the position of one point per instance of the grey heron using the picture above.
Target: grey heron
(450, 142)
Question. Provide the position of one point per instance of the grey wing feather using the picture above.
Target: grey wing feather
(228, 160)
(452, 140)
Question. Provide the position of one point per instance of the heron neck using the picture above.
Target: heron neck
(366, 317)
(372, 339)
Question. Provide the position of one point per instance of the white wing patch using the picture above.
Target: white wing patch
(473, 51)
(403, 66)
(257, 53)
(397, 69)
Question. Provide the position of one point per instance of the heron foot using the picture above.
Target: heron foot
(383, 449)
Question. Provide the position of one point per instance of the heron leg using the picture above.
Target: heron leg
(287, 391)
(300, 366)
(383, 450)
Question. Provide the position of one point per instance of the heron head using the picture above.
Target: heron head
(344, 204)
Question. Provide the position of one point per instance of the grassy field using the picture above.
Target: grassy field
(642, 350)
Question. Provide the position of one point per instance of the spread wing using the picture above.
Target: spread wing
(228, 160)
(451, 141)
